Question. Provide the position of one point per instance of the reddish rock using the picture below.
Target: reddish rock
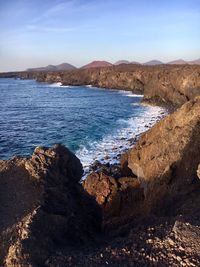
(117, 196)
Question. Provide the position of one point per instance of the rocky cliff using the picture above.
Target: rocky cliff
(162, 167)
(169, 84)
(166, 158)
(163, 186)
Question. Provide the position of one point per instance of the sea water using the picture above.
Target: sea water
(96, 124)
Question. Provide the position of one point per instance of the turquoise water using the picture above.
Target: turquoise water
(92, 122)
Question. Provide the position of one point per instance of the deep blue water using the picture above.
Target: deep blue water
(34, 114)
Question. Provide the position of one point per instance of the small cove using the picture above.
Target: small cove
(96, 124)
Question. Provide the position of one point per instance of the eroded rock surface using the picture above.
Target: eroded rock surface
(116, 196)
(43, 207)
(166, 158)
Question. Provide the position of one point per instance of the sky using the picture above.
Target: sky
(41, 32)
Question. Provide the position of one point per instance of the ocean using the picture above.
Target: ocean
(96, 124)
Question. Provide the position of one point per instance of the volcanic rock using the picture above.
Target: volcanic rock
(166, 158)
(43, 207)
(161, 169)
(116, 196)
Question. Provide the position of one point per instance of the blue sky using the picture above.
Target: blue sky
(42, 32)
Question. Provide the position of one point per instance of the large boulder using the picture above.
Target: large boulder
(43, 207)
(116, 196)
(166, 158)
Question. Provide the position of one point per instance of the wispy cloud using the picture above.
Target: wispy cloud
(66, 7)
(58, 18)
(49, 29)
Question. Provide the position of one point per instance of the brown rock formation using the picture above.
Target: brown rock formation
(176, 86)
(116, 196)
(164, 166)
(166, 157)
(42, 207)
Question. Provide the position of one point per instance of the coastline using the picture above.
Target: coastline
(122, 137)
(121, 217)
(163, 84)
(109, 150)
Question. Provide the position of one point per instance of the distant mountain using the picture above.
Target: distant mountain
(65, 66)
(96, 64)
(60, 67)
(135, 62)
(126, 62)
(195, 62)
(122, 62)
(178, 62)
(153, 62)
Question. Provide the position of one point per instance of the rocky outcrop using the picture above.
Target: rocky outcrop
(116, 196)
(176, 86)
(43, 207)
(166, 158)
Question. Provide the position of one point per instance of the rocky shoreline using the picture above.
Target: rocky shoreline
(143, 213)
(107, 152)
(162, 84)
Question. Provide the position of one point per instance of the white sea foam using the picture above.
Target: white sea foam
(58, 84)
(134, 95)
(130, 93)
(111, 146)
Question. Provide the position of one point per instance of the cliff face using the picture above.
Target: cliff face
(176, 85)
(166, 158)
(43, 207)
(170, 84)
